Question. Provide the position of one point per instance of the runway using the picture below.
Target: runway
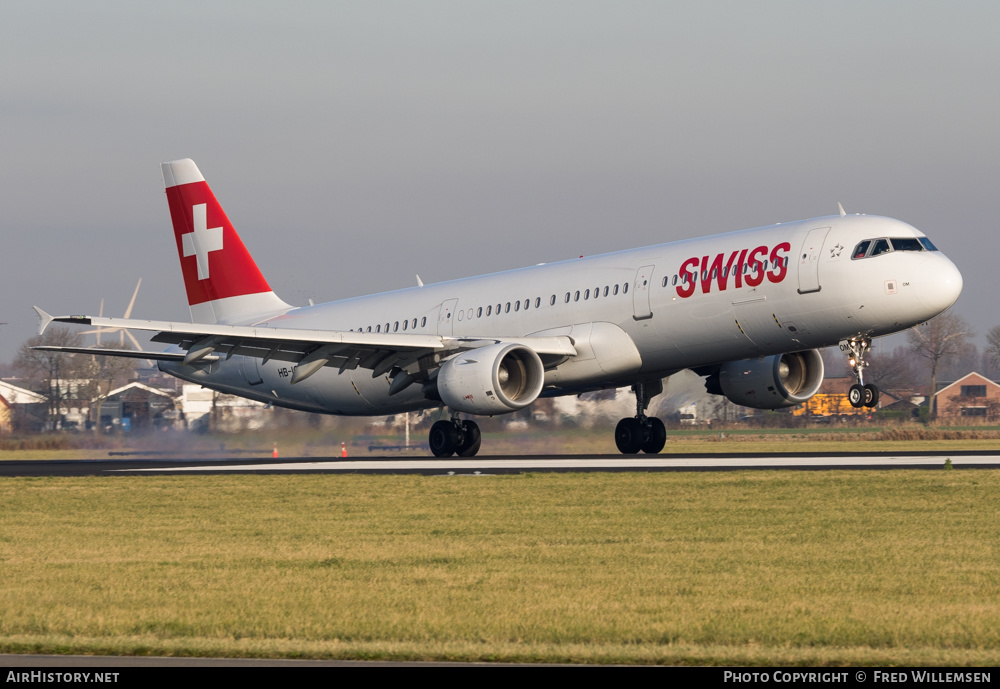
(506, 464)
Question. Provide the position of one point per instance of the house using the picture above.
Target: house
(135, 406)
(973, 396)
(26, 410)
(831, 400)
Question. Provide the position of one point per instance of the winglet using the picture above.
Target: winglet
(43, 318)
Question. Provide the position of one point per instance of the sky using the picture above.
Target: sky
(356, 144)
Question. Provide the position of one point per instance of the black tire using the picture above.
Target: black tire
(472, 438)
(657, 437)
(629, 436)
(443, 439)
(871, 395)
(856, 396)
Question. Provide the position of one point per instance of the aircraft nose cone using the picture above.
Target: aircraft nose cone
(944, 286)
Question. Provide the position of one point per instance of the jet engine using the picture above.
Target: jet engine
(495, 379)
(770, 382)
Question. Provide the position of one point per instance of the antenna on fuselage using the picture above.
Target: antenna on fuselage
(842, 211)
(420, 283)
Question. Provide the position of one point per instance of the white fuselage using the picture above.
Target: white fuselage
(630, 314)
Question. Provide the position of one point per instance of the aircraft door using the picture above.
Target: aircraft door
(809, 260)
(640, 293)
(446, 319)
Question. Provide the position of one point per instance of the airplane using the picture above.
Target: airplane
(747, 310)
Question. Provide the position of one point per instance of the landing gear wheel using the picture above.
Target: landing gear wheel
(657, 437)
(871, 395)
(856, 396)
(443, 439)
(629, 436)
(472, 438)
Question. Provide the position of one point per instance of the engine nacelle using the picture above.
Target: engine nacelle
(772, 382)
(496, 379)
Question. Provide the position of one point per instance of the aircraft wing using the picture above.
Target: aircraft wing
(310, 350)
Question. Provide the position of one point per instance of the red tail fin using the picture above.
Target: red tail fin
(222, 280)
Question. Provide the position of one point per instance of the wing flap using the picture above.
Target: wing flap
(127, 353)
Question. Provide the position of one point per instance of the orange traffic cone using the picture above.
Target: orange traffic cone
(275, 453)
(343, 449)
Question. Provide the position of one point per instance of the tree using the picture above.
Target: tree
(937, 340)
(893, 372)
(48, 372)
(993, 345)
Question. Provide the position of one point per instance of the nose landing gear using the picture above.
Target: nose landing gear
(860, 394)
(642, 433)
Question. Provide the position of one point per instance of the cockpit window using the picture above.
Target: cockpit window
(874, 247)
(906, 244)
(880, 246)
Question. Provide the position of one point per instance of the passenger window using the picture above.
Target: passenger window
(567, 297)
(517, 306)
(586, 295)
(625, 288)
(423, 321)
(489, 310)
(605, 290)
(576, 297)
(616, 289)
(378, 328)
(405, 323)
(552, 301)
(538, 302)
(507, 310)
(479, 312)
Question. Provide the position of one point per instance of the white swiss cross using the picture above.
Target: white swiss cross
(202, 241)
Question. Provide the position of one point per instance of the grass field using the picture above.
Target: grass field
(815, 568)
(597, 440)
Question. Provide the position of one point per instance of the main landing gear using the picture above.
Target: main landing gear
(642, 433)
(860, 394)
(454, 436)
